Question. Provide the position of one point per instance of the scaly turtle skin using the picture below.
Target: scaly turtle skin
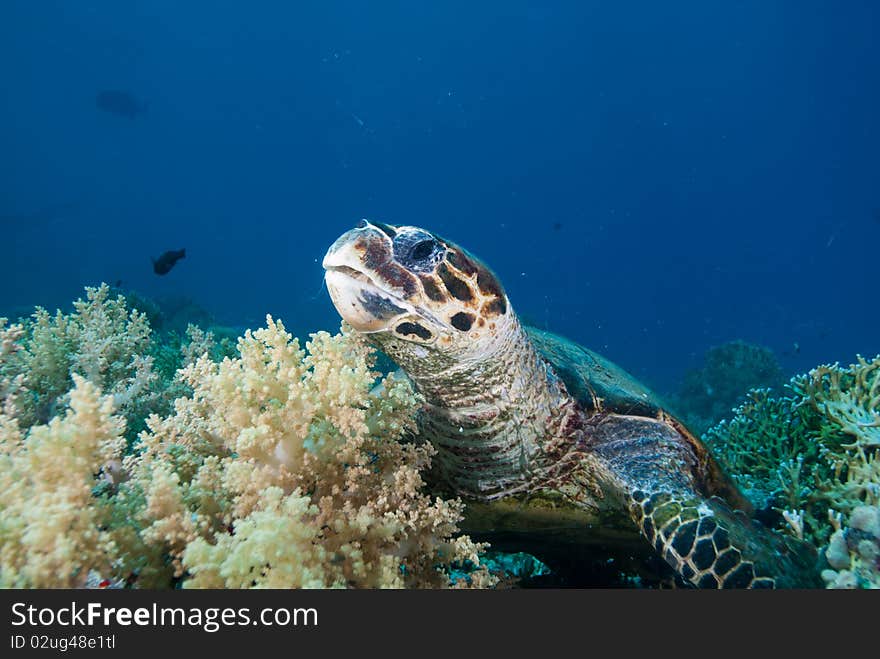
(518, 415)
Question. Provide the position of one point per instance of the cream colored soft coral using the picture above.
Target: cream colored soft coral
(273, 547)
(52, 529)
(285, 468)
(11, 378)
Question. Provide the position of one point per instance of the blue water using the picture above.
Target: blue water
(648, 178)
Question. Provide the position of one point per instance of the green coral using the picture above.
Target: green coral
(101, 341)
(812, 453)
(167, 314)
(776, 448)
(172, 351)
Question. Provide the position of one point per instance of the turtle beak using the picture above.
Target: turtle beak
(354, 247)
(350, 278)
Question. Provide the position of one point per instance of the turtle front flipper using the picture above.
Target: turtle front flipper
(661, 480)
(711, 546)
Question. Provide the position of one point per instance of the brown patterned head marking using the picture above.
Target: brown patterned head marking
(413, 285)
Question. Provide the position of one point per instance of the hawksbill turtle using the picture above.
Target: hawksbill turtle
(524, 420)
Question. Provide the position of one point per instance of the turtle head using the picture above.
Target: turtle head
(415, 293)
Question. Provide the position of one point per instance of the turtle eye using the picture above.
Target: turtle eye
(416, 250)
(422, 250)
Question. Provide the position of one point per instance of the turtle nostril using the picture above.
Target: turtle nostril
(362, 224)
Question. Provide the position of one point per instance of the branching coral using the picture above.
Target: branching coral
(849, 397)
(814, 453)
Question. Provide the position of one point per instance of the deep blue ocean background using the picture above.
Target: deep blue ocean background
(647, 178)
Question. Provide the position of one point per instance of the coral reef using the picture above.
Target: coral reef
(174, 459)
(708, 394)
(812, 455)
(278, 467)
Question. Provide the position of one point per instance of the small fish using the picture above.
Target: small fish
(122, 103)
(163, 265)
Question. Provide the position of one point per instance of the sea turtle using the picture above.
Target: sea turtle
(524, 420)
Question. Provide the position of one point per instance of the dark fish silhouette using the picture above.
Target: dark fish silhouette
(119, 102)
(163, 265)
